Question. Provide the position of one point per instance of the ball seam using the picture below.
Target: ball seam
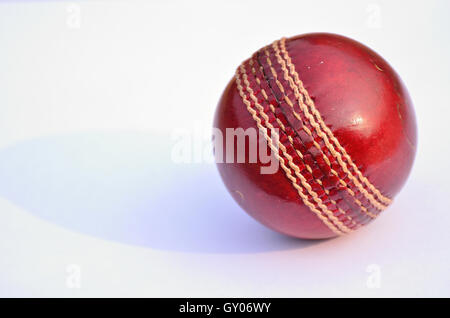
(338, 227)
(316, 145)
(297, 151)
(310, 103)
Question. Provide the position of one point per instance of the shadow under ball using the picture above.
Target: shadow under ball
(346, 135)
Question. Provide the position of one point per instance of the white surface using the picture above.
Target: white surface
(91, 203)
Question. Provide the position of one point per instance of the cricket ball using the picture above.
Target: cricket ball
(336, 122)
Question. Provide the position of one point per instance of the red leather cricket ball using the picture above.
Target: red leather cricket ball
(340, 126)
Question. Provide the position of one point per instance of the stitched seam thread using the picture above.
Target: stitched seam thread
(283, 128)
(341, 228)
(316, 145)
(329, 133)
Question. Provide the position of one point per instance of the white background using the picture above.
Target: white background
(93, 95)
